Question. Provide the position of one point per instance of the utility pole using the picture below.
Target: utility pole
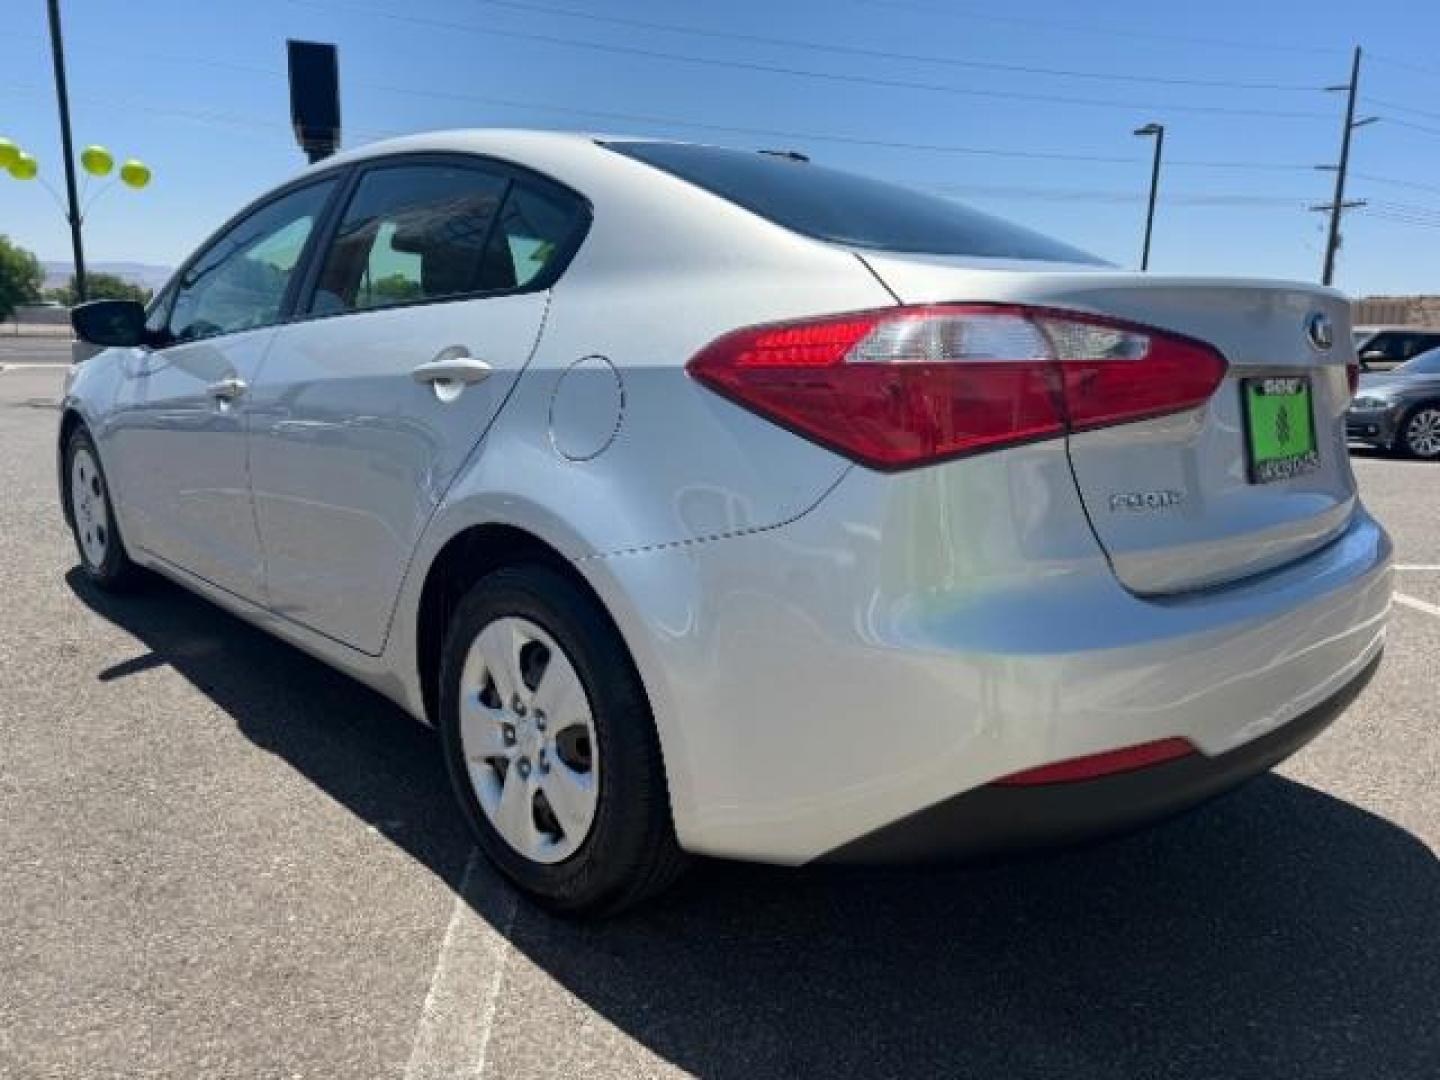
(1157, 130)
(62, 96)
(1339, 205)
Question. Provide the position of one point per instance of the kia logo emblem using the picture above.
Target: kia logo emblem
(1320, 330)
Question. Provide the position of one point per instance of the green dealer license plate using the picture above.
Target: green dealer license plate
(1279, 428)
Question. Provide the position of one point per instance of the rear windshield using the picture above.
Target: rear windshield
(847, 209)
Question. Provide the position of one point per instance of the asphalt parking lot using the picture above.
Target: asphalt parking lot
(220, 858)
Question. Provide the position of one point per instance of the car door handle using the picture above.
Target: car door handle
(226, 389)
(463, 369)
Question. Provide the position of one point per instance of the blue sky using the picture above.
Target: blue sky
(202, 98)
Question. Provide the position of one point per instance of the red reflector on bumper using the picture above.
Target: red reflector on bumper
(1126, 759)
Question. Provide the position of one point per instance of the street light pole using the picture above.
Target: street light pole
(62, 95)
(1158, 131)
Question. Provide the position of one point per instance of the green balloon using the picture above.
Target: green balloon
(135, 173)
(24, 167)
(97, 161)
(8, 153)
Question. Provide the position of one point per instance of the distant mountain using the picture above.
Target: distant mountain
(146, 274)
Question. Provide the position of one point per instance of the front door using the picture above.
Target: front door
(177, 443)
(427, 305)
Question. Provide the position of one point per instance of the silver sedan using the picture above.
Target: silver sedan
(721, 502)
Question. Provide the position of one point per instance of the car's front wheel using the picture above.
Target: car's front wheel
(1420, 434)
(551, 746)
(92, 516)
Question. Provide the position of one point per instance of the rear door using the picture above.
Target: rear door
(426, 304)
(1257, 477)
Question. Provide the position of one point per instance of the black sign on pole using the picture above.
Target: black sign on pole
(315, 97)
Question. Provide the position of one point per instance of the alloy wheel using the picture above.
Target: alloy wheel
(529, 739)
(1422, 433)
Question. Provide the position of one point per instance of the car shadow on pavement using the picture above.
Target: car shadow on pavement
(1277, 932)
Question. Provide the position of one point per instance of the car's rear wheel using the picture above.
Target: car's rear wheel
(92, 516)
(551, 746)
(1420, 435)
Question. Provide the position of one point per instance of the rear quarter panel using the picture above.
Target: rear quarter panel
(665, 270)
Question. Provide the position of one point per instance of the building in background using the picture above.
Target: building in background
(1397, 311)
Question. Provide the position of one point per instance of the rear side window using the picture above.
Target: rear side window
(411, 232)
(843, 208)
(534, 230)
(428, 231)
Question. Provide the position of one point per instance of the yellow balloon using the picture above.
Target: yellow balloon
(8, 153)
(97, 161)
(24, 167)
(135, 173)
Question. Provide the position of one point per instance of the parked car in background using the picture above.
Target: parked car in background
(1400, 409)
(1383, 347)
(716, 501)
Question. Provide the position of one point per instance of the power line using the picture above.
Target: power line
(1429, 213)
(257, 123)
(883, 54)
(204, 116)
(733, 129)
(1057, 194)
(1379, 104)
(1415, 184)
(1409, 65)
(1411, 126)
(1254, 166)
(1398, 219)
(807, 73)
(972, 15)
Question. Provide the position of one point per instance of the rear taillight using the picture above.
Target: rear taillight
(1352, 376)
(902, 387)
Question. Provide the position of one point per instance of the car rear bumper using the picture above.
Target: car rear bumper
(919, 636)
(997, 818)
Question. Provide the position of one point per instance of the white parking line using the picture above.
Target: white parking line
(453, 1034)
(1419, 568)
(1418, 605)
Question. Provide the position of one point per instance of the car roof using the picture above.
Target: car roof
(682, 222)
(483, 140)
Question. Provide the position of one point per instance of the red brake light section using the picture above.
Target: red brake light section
(1109, 763)
(903, 387)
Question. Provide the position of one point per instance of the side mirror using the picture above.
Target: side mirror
(1373, 354)
(109, 322)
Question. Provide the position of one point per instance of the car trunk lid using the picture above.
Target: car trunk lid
(1212, 494)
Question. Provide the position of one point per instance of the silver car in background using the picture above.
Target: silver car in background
(719, 502)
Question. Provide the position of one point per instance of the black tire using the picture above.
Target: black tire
(114, 571)
(1405, 438)
(630, 851)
